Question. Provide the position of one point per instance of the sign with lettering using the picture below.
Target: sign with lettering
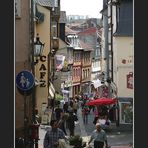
(43, 71)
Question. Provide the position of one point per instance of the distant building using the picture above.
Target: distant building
(91, 37)
(22, 62)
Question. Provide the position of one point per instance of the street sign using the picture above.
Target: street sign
(25, 80)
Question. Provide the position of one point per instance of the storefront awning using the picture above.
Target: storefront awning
(51, 90)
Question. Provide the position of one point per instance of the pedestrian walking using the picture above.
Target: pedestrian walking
(85, 112)
(58, 112)
(61, 123)
(96, 115)
(71, 123)
(75, 107)
(65, 107)
(52, 136)
(99, 137)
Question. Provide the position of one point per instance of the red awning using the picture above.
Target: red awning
(102, 101)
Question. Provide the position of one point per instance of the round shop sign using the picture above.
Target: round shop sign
(25, 80)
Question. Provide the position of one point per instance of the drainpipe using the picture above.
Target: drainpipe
(35, 126)
(106, 53)
(106, 46)
(112, 68)
(32, 63)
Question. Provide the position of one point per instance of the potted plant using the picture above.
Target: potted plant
(76, 141)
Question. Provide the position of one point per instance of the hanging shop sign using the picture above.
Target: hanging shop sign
(43, 71)
(130, 80)
(59, 62)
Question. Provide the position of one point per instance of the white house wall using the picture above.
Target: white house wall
(123, 50)
(114, 18)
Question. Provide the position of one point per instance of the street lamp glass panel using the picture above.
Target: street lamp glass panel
(38, 47)
(54, 29)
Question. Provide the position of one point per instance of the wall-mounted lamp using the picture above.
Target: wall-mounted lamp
(52, 52)
(38, 49)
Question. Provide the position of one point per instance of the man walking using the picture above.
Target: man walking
(52, 136)
(99, 137)
(71, 123)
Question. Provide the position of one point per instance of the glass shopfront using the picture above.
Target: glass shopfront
(126, 112)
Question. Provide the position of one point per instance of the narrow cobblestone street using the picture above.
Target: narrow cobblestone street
(116, 139)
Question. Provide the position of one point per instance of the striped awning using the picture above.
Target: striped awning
(51, 90)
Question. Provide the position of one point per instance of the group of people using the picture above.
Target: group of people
(54, 135)
(101, 116)
(65, 118)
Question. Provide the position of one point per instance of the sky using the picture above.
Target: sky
(91, 8)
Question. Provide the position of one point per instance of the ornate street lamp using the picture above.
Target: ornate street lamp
(38, 47)
(37, 52)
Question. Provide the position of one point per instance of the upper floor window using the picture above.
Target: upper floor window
(18, 8)
(88, 73)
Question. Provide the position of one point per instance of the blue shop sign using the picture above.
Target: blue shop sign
(25, 80)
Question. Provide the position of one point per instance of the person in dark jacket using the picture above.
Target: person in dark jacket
(58, 112)
(61, 123)
(71, 123)
(65, 107)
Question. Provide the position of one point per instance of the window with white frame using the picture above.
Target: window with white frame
(18, 8)
(126, 112)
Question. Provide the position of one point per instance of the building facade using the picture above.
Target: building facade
(91, 36)
(117, 56)
(41, 67)
(22, 62)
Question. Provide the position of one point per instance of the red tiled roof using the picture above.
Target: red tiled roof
(88, 31)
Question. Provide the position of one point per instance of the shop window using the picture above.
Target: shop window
(126, 112)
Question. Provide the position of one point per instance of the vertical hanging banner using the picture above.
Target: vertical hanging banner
(130, 80)
(59, 62)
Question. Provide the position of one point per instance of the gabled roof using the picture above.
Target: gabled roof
(85, 46)
(125, 25)
(69, 31)
(88, 31)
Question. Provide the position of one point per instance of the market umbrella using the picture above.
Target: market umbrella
(102, 101)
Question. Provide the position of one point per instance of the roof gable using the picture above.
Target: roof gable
(69, 31)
